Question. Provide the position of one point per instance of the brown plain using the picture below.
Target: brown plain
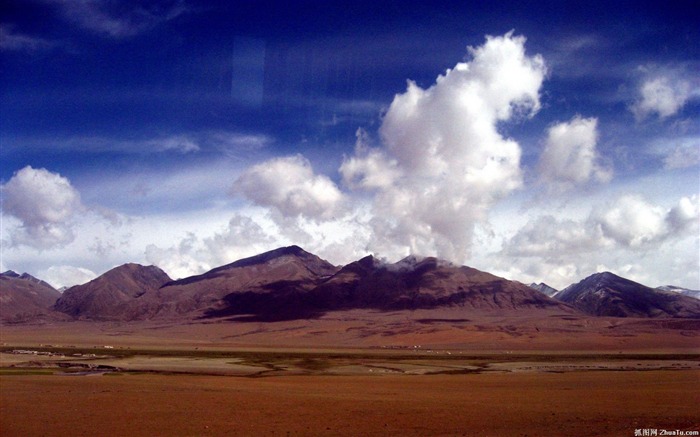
(514, 404)
(537, 390)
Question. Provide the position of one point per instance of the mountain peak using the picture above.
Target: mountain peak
(25, 296)
(25, 277)
(606, 275)
(264, 257)
(544, 288)
(106, 296)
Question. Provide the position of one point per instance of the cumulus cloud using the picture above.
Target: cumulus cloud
(661, 95)
(45, 203)
(289, 186)
(632, 221)
(444, 163)
(569, 157)
(683, 216)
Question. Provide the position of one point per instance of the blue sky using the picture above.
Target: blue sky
(542, 142)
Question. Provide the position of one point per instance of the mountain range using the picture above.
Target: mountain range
(289, 283)
(24, 297)
(606, 294)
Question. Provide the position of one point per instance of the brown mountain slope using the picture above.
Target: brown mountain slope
(287, 271)
(108, 296)
(410, 284)
(23, 297)
(414, 283)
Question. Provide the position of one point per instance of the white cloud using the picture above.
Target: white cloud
(67, 276)
(630, 231)
(174, 143)
(238, 145)
(102, 18)
(557, 274)
(179, 143)
(683, 155)
(632, 221)
(194, 254)
(10, 40)
(569, 157)
(444, 163)
(234, 145)
(254, 231)
(45, 203)
(628, 222)
(683, 216)
(369, 169)
(549, 237)
(242, 237)
(178, 261)
(661, 95)
(289, 186)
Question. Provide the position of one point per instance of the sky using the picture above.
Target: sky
(541, 142)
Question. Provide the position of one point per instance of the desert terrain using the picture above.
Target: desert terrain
(352, 373)
(601, 403)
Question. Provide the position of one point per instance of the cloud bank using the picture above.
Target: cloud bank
(630, 221)
(621, 233)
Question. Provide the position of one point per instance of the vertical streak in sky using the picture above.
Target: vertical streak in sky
(248, 72)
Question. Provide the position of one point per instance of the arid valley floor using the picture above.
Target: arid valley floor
(357, 373)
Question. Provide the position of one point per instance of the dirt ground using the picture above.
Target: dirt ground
(439, 329)
(599, 403)
(354, 374)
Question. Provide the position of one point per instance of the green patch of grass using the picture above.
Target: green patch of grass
(23, 371)
(322, 360)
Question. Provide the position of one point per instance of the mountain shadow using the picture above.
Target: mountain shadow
(410, 284)
(273, 302)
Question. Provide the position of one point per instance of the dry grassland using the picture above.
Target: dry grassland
(603, 403)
